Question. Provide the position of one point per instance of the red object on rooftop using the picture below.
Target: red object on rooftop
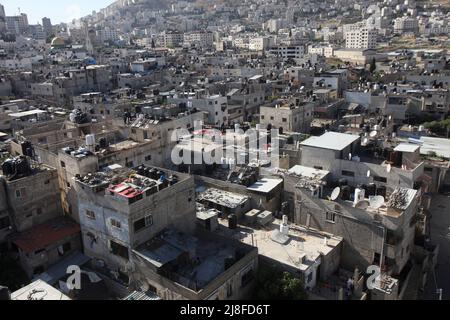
(41, 236)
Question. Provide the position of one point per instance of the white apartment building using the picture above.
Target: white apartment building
(322, 50)
(406, 24)
(200, 39)
(260, 43)
(362, 38)
(288, 52)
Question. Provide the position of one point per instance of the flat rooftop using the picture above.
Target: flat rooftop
(207, 257)
(265, 185)
(440, 146)
(223, 198)
(300, 242)
(39, 290)
(405, 147)
(26, 113)
(331, 140)
(308, 172)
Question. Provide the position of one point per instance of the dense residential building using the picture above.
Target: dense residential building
(225, 150)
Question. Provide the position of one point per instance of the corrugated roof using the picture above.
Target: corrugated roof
(43, 235)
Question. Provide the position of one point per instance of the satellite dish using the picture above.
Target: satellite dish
(349, 156)
(335, 194)
(373, 134)
(368, 174)
(389, 168)
(365, 142)
(363, 204)
(376, 202)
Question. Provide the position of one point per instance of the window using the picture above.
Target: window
(318, 168)
(116, 224)
(143, 223)
(428, 169)
(247, 278)
(90, 214)
(4, 223)
(148, 158)
(310, 278)
(229, 290)
(21, 193)
(380, 179)
(331, 217)
(262, 117)
(348, 173)
(63, 164)
(284, 120)
(118, 249)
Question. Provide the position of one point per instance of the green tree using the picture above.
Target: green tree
(441, 128)
(373, 66)
(274, 284)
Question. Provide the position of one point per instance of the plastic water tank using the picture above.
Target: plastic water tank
(90, 140)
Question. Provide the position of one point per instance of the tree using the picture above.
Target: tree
(441, 128)
(373, 66)
(274, 284)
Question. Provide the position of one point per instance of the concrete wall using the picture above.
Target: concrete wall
(38, 191)
(363, 235)
(171, 207)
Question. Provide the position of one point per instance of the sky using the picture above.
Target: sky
(57, 10)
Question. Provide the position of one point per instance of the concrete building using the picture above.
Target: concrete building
(47, 26)
(17, 24)
(287, 52)
(31, 193)
(363, 38)
(406, 25)
(44, 245)
(306, 253)
(296, 117)
(119, 213)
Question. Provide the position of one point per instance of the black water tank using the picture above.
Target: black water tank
(103, 143)
(232, 221)
(8, 167)
(371, 189)
(153, 174)
(381, 191)
(346, 193)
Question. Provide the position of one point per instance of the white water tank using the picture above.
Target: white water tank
(90, 140)
(360, 195)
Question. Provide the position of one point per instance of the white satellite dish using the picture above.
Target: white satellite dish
(373, 134)
(376, 202)
(365, 142)
(363, 204)
(389, 168)
(368, 174)
(335, 194)
(350, 156)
